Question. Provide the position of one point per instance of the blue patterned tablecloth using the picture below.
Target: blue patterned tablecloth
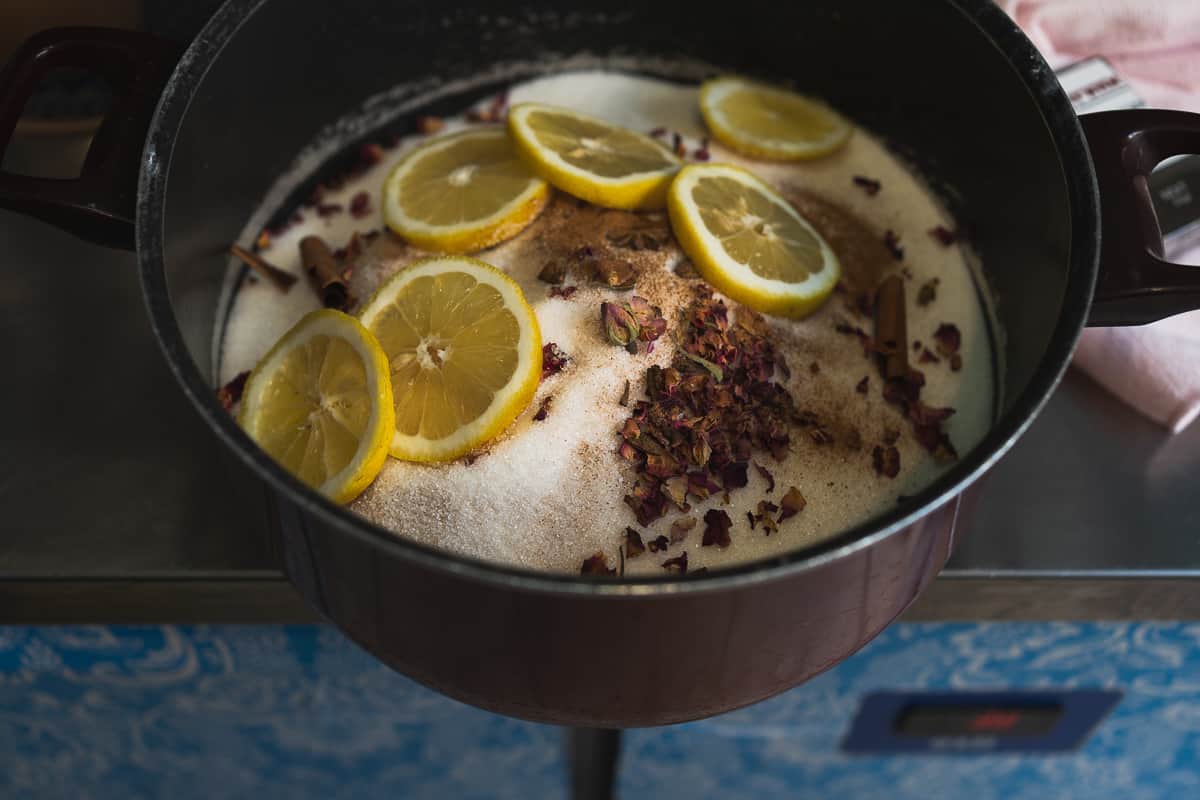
(299, 712)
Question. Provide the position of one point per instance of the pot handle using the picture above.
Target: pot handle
(1136, 285)
(98, 205)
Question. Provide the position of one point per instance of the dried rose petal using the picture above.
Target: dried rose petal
(678, 564)
(360, 205)
(927, 357)
(928, 292)
(553, 359)
(658, 544)
(734, 476)
(716, 528)
(681, 527)
(767, 476)
(868, 185)
(633, 543)
(543, 410)
(564, 292)
(370, 154)
(624, 401)
(764, 516)
(649, 318)
(862, 386)
(956, 362)
(944, 235)
(328, 209)
(814, 368)
(792, 504)
(890, 436)
(677, 145)
(891, 241)
(947, 338)
(596, 564)
(657, 132)
(886, 461)
(229, 394)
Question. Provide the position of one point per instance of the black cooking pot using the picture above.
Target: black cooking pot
(955, 87)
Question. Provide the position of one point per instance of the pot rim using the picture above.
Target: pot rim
(1083, 196)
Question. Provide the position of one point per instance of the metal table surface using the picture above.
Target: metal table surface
(120, 505)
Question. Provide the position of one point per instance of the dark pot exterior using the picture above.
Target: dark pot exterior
(589, 660)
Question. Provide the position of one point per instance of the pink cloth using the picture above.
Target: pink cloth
(1155, 46)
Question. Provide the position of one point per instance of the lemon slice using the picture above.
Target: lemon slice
(462, 192)
(320, 404)
(765, 122)
(591, 159)
(749, 242)
(464, 352)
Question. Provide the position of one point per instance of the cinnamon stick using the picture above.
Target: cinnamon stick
(265, 269)
(324, 273)
(891, 330)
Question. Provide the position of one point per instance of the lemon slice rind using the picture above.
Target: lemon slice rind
(346, 484)
(730, 276)
(727, 131)
(509, 400)
(464, 237)
(645, 190)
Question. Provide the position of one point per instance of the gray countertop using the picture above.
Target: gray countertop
(122, 507)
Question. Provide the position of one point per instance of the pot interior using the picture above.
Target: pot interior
(313, 79)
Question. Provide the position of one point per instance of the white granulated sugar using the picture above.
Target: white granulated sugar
(548, 494)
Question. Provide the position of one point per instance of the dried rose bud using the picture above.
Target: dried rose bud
(792, 504)
(716, 528)
(428, 124)
(555, 271)
(620, 326)
(678, 564)
(596, 564)
(886, 461)
(944, 235)
(633, 543)
(681, 527)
